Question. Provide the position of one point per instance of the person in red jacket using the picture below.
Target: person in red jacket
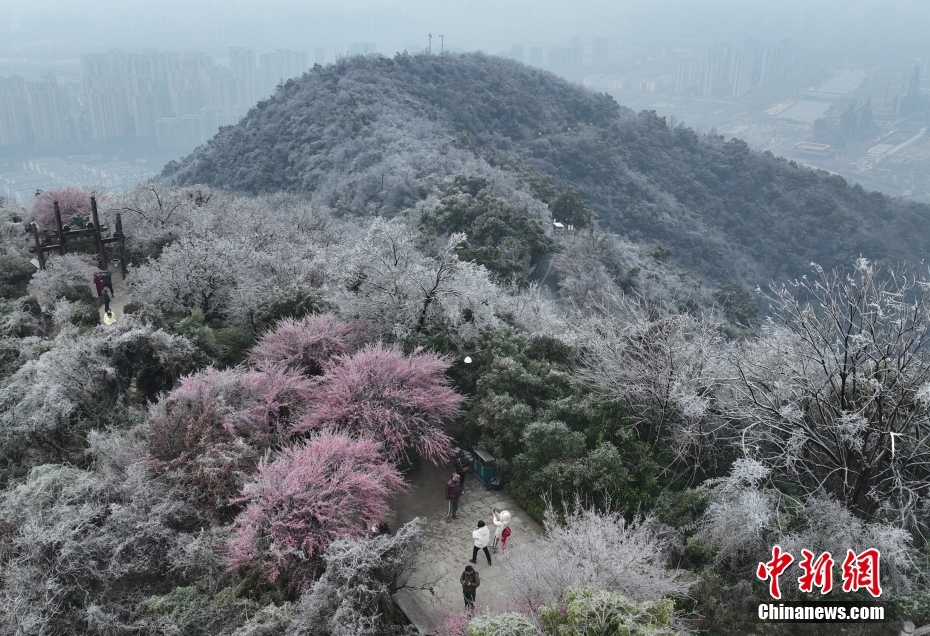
(98, 283)
(453, 492)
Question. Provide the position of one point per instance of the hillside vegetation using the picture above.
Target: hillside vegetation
(375, 136)
(216, 460)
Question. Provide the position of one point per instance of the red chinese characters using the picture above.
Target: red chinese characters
(860, 571)
(817, 573)
(771, 570)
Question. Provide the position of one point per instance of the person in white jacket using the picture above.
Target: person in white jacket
(481, 534)
(501, 521)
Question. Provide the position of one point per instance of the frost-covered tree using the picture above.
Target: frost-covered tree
(192, 273)
(400, 401)
(329, 487)
(307, 344)
(747, 514)
(601, 550)
(67, 276)
(833, 396)
(663, 368)
(353, 596)
(386, 279)
(80, 554)
(49, 404)
(154, 216)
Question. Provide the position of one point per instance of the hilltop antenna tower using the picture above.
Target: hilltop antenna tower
(429, 48)
(442, 44)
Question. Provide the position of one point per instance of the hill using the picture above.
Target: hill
(376, 135)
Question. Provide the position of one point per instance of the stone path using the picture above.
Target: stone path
(118, 301)
(449, 545)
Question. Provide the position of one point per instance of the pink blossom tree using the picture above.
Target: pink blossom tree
(329, 487)
(397, 400)
(307, 344)
(72, 201)
(208, 435)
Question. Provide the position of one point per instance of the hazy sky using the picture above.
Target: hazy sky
(82, 25)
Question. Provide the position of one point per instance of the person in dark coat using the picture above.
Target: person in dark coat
(98, 283)
(461, 468)
(108, 282)
(379, 529)
(453, 492)
(106, 300)
(470, 582)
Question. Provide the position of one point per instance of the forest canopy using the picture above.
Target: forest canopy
(376, 135)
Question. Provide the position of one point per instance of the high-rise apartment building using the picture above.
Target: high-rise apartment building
(242, 66)
(107, 111)
(742, 76)
(574, 60)
(31, 111)
(281, 65)
(45, 111)
(599, 55)
(14, 108)
(536, 56)
(150, 95)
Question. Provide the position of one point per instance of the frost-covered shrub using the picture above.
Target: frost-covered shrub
(353, 596)
(20, 318)
(741, 513)
(80, 555)
(50, 403)
(506, 624)
(15, 269)
(327, 488)
(601, 550)
(598, 612)
(271, 620)
(67, 276)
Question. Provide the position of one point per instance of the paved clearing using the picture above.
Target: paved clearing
(449, 545)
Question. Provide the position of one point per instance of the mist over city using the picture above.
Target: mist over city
(445, 318)
(109, 92)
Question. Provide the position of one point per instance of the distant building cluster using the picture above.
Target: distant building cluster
(734, 70)
(31, 111)
(178, 100)
(21, 182)
(568, 61)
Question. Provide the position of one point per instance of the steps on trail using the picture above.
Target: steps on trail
(414, 613)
